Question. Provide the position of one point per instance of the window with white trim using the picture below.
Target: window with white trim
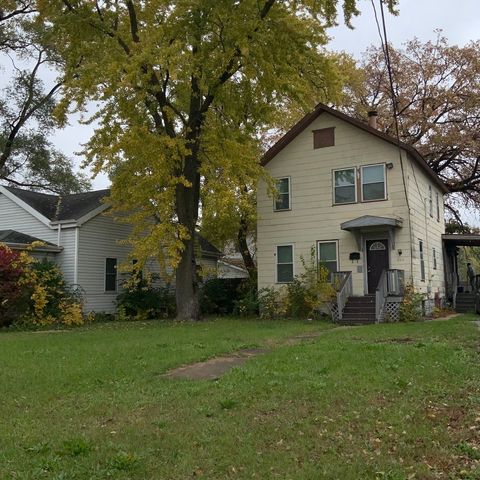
(327, 254)
(373, 183)
(284, 263)
(422, 260)
(430, 200)
(282, 199)
(111, 275)
(434, 259)
(344, 186)
(438, 206)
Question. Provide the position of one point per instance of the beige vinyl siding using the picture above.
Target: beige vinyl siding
(313, 216)
(427, 229)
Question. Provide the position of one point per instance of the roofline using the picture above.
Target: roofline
(28, 246)
(25, 206)
(236, 267)
(302, 124)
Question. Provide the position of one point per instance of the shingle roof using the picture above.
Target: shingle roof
(207, 247)
(321, 108)
(12, 236)
(61, 207)
(75, 206)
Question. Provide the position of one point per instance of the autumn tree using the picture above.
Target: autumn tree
(437, 95)
(27, 156)
(167, 77)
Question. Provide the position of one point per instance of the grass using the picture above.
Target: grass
(392, 402)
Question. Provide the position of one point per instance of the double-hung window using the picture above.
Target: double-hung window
(422, 260)
(438, 206)
(373, 183)
(283, 195)
(430, 200)
(344, 189)
(111, 275)
(327, 255)
(284, 263)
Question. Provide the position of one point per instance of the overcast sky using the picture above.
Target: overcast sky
(459, 20)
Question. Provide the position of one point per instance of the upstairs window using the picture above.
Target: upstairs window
(344, 190)
(284, 263)
(282, 200)
(327, 256)
(430, 200)
(434, 259)
(325, 137)
(373, 183)
(438, 206)
(111, 275)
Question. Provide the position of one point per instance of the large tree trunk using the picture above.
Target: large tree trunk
(245, 251)
(187, 203)
(186, 289)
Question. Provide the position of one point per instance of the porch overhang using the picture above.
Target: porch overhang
(461, 239)
(371, 223)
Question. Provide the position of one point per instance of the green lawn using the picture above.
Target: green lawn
(385, 401)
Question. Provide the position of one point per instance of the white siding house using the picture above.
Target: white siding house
(364, 203)
(81, 238)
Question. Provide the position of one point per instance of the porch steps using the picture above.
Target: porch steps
(359, 311)
(465, 302)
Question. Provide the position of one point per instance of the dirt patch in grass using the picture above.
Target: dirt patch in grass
(396, 340)
(215, 367)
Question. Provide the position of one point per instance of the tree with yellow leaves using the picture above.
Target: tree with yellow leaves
(171, 80)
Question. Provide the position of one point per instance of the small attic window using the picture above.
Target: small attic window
(324, 137)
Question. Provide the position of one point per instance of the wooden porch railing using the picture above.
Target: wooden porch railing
(391, 283)
(342, 282)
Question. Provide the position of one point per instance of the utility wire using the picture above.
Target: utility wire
(386, 54)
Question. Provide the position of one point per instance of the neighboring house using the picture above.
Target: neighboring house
(80, 238)
(370, 206)
(229, 267)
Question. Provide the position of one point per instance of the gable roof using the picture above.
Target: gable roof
(18, 239)
(322, 108)
(77, 206)
(59, 208)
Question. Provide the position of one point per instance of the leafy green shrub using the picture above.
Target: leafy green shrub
(411, 307)
(272, 302)
(247, 304)
(219, 295)
(304, 297)
(143, 301)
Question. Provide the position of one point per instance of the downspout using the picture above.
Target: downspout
(59, 234)
(75, 259)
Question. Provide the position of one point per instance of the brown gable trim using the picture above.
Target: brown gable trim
(319, 109)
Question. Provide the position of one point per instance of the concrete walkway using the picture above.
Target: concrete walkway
(215, 367)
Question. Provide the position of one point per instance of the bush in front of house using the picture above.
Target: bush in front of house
(12, 302)
(219, 295)
(33, 292)
(304, 297)
(140, 300)
(411, 308)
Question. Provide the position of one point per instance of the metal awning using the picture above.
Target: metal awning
(372, 223)
(462, 239)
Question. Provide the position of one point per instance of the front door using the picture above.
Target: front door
(377, 261)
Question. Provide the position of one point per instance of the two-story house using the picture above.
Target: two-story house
(371, 206)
